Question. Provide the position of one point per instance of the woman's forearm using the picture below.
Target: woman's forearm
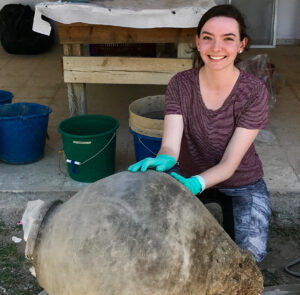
(234, 153)
(218, 174)
(171, 141)
(168, 151)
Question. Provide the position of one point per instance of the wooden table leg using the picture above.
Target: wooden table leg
(185, 50)
(76, 91)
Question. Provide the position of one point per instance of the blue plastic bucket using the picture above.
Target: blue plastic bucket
(23, 131)
(145, 146)
(5, 96)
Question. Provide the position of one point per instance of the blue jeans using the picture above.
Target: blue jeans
(246, 213)
(251, 213)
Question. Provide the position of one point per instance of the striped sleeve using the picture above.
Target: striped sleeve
(172, 98)
(255, 113)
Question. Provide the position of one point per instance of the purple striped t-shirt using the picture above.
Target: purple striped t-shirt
(207, 132)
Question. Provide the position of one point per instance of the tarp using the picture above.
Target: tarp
(123, 13)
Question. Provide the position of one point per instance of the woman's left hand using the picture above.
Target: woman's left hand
(192, 183)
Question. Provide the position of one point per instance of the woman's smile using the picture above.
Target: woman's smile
(216, 57)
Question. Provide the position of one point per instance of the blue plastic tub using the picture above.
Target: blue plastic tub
(145, 146)
(23, 131)
(5, 96)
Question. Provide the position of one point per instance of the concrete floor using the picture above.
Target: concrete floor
(39, 79)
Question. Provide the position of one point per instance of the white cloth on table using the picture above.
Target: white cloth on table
(123, 13)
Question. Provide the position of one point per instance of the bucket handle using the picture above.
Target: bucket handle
(73, 162)
(140, 140)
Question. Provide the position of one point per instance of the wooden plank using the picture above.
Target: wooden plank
(98, 34)
(122, 70)
(73, 49)
(76, 92)
(77, 98)
(103, 63)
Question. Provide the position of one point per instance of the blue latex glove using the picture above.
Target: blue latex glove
(160, 163)
(195, 184)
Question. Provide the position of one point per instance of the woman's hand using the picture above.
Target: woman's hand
(195, 184)
(173, 129)
(160, 163)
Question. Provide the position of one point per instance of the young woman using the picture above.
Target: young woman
(212, 115)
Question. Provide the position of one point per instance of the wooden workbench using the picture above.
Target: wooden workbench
(79, 69)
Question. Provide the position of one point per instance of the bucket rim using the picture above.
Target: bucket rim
(7, 96)
(62, 132)
(11, 105)
(144, 136)
(132, 106)
(7, 92)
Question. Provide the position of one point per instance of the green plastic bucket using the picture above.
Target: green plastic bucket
(89, 143)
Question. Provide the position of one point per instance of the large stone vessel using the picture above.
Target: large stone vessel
(137, 234)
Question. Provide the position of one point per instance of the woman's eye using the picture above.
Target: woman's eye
(228, 39)
(206, 38)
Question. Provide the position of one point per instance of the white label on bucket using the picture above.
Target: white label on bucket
(81, 142)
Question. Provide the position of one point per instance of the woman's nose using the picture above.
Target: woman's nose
(216, 45)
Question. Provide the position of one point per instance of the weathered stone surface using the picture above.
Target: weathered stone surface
(139, 234)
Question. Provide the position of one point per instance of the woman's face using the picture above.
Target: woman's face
(219, 42)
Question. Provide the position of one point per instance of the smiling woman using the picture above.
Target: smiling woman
(212, 116)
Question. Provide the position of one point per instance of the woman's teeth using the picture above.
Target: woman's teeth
(216, 57)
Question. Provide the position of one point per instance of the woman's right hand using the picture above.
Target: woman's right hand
(160, 163)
